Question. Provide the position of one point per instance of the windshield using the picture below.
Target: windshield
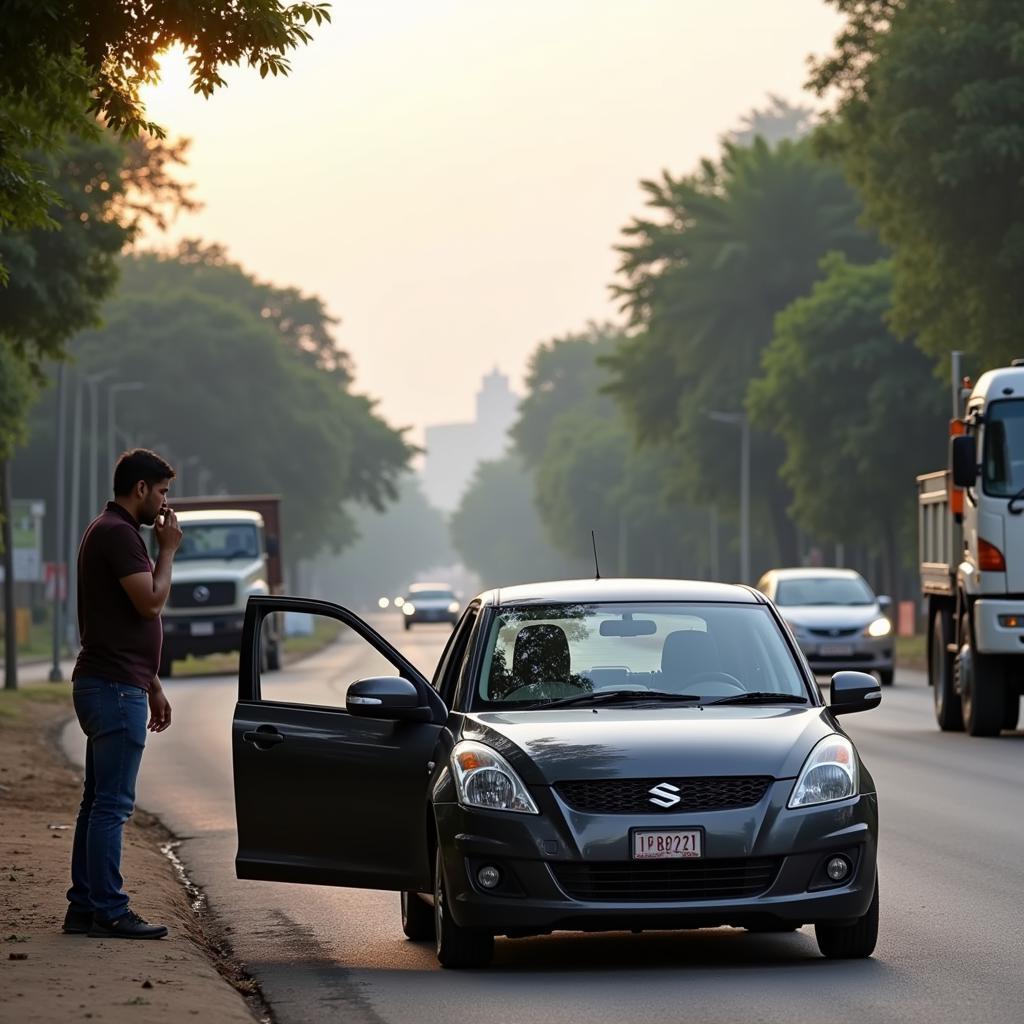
(547, 653)
(823, 590)
(431, 595)
(1003, 464)
(216, 540)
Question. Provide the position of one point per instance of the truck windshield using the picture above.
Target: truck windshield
(215, 540)
(1003, 463)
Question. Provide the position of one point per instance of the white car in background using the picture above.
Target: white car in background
(430, 602)
(836, 618)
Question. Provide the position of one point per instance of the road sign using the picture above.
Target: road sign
(27, 527)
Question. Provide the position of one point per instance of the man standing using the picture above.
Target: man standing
(120, 597)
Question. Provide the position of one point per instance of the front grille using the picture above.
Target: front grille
(835, 634)
(666, 881)
(633, 796)
(184, 595)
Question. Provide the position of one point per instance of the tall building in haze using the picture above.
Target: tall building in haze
(455, 449)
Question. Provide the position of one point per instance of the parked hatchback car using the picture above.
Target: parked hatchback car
(430, 602)
(597, 755)
(836, 618)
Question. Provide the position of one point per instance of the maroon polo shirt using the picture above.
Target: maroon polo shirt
(117, 642)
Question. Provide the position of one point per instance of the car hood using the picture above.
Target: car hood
(581, 743)
(206, 570)
(830, 616)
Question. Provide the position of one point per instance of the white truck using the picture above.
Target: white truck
(971, 535)
(230, 550)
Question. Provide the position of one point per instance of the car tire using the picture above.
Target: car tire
(1011, 708)
(886, 676)
(408, 625)
(274, 656)
(456, 946)
(981, 680)
(417, 917)
(850, 941)
(948, 710)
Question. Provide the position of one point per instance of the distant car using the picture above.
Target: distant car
(598, 755)
(836, 618)
(430, 602)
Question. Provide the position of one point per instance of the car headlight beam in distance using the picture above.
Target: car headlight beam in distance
(879, 628)
(454, 607)
(408, 608)
(483, 778)
(829, 773)
(383, 603)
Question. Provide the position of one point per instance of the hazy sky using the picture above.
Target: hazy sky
(451, 175)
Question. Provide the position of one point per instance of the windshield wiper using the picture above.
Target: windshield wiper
(612, 697)
(759, 697)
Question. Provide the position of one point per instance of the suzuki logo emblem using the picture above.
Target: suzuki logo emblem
(201, 594)
(664, 794)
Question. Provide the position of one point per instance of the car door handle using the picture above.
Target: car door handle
(264, 737)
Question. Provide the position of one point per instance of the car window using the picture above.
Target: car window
(823, 590)
(546, 653)
(446, 675)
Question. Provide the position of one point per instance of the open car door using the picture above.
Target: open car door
(325, 793)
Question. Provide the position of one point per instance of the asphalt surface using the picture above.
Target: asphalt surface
(952, 892)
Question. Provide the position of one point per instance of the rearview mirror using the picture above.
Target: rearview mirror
(853, 691)
(390, 697)
(963, 458)
(628, 626)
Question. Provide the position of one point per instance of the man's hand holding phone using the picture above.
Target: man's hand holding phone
(167, 530)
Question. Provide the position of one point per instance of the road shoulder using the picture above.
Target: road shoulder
(48, 976)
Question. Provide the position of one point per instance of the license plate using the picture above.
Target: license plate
(836, 650)
(663, 844)
(202, 628)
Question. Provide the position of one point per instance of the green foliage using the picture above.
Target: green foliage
(777, 121)
(860, 411)
(497, 532)
(17, 393)
(65, 62)
(223, 383)
(929, 128)
(704, 274)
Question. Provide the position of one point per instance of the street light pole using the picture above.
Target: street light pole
(56, 675)
(134, 385)
(741, 420)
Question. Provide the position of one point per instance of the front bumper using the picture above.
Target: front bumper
(861, 653)
(991, 637)
(533, 851)
(200, 635)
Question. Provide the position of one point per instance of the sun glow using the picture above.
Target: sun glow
(174, 84)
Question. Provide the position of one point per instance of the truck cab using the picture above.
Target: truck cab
(225, 557)
(972, 560)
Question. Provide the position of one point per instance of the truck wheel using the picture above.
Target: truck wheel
(1011, 709)
(948, 712)
(417, 917)
(456, 946)
(981, 682)
(850, 941)
(166, 668)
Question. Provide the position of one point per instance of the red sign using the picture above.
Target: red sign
(56, 575)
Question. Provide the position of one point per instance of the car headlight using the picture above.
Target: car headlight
(454, 607)
(408, 608)
(880, 627)
(483, 778)
(829, 773)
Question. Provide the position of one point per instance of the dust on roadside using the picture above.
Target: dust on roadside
(48, 976)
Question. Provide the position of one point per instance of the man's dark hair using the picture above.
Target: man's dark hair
(139, 464)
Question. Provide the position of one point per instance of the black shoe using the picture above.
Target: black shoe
(128, 926)
(77, 922)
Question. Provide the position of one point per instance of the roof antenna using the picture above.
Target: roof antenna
(597, 568)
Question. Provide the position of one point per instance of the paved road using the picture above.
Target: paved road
(952, 874)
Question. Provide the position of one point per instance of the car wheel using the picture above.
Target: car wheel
(886, 676)
(408, 625)
(274, 656)
(456, 946)
(417, 917)
(981, 681)
(948, 711)
(850, 941)
(1011, 709)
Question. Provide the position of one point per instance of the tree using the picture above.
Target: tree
(773, 123)
(724, 250)
(64, 63)
(497, 532)
(859, 410)
(928, 127)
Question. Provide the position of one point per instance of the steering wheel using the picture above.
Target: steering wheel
(722, 678)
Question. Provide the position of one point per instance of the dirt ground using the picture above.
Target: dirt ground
(47, 976)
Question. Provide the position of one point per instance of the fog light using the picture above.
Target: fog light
(488, 876)
(837, 868)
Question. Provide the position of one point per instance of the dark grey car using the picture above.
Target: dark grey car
(596, 755)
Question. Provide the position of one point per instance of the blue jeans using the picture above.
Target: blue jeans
(113, 716)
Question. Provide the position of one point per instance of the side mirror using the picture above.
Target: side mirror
(963, 458)
(389, 697)
(853, 691)
(273, 547)
(885, 603)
